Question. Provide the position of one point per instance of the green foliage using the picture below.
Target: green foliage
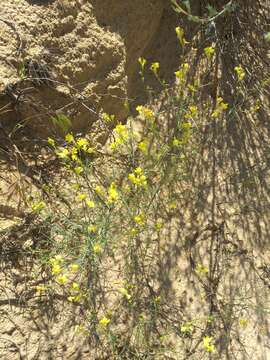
(61, 121)
(21, 71)
(118, 223)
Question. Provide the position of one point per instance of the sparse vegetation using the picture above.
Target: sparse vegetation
(122, 253)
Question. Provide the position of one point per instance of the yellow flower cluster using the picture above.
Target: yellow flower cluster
(63, 153)
(143, 146)
(201, 270)
(81, 197)
(145, 113)
(154, 67)
(99, 191)
(37, 207)
(125, 293)
(121, 133)
(69, 138)
(207, 344)
(187, 328)
(209, 51)
(73, 149)
(112, 193)
(97, 248)
(192, 112)
(182, 72)
(57, 268)
(142, 62)
(92, 228)
(220, 107)
(158, 226)
(186, 131)
(240, 72)
(51, 142)
(75, 293)
(180, 34)
(64, 275)
(243, 322)
(104, 321)
(140, 219)
(56, 264)
(107, 118)
(138, 178)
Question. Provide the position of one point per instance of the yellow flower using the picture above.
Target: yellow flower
(80, 197)
(82, 144)
(201, 270)
(192, 113)
(75, 287)
(125, 293)
(74, 298)
(145, 113)
(113, 194)
(56, 264)
(173, 205)
(220, 107)
(108, 118)
(62, 279)
(104, 321)
(99, 190)
(38, 206)
(240, 72)
(181, 73)
(63, 154)
(74, 154)
(221, 103)
(121, 130)
(186, 125)
(142, 62)
(133, 232)
(90, 203)
(243, 322)
(69, 138)
(209, 51)
(138, 171)
(78, 170)
(176, 142)
(215, 114)
(138, 177)
(158, 226)
(56, 269)
(71, 298)
(154, 67)
(180, 34)
(207, 344)
(143, 146)
(91, 150)
(74, 267)
(97, 248)
(92, 228)
(114, 145)
(51, 141)
(140, 219)
(121, 136)
(187, 327)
